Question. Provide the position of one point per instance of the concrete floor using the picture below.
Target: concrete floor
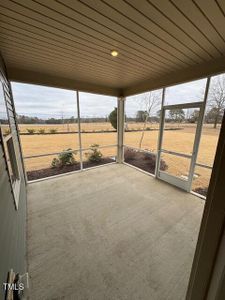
(110, 233)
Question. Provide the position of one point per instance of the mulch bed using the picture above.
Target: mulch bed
(143, 160)
(98, 131)
(47, 172)
(140, 160)
(147, 161)
(201, 191)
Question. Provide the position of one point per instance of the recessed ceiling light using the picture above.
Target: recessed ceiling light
(114, 53)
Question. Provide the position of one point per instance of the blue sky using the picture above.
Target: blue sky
(46, 102)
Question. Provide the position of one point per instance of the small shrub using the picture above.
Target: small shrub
(129, 154)
(41, 130)
(64, 159)
(55, 163)
(163, 165)
(95, 155)
(151, 158)
(53, 130)
(31, 130)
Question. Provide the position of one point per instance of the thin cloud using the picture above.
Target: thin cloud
(48, 102)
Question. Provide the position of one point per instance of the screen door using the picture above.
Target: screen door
(179, 138)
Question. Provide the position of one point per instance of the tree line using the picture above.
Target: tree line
(23, 119)
(212, 116)
(214, 113)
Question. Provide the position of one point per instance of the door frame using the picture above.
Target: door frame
(183, 184)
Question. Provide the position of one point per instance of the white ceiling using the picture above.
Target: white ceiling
(67, 43)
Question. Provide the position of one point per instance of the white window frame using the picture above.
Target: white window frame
(11, 163)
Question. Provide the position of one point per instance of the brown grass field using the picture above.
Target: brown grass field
(175, 140)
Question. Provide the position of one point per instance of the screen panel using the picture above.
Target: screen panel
(96, 156)
(98, 118)
(47, 120)
(175, 165)
(185, 93)
(142, 115)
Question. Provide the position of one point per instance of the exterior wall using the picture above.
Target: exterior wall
(210, 243)
(12, 221)
(217, 285)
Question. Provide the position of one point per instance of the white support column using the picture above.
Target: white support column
(120, 129)
(160, 135)
(79, 130)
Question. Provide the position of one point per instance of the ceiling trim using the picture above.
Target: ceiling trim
(187, 74)
(30, 77)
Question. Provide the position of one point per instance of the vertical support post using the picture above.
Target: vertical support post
(79, 129)
(198, 136)
(120, 129)
(211, 231)
(160, 137)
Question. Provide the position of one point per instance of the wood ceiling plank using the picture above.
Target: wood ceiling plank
(109, 63)
(191, 11)
(9, 14)
(32, 77)
(122, 78)
(34, 32)
(13, 31)
(76, 72)
(44, 60)
(64, 72)
(160, 42)
(109, 16)
(71, 57)
(139, 20)
(78, 68)
(89, 28)
(49, 66)
(221, 5)
(215, 16)
(20, 27)
(24, 50)
(192, 73)
(192, 39)
(177, 15)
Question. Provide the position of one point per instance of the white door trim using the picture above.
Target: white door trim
(179, 182)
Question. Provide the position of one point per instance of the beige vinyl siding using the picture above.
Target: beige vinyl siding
(13, 222)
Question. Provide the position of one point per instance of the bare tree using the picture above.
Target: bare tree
(217, 99)
(177, 115)
(150, 101)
